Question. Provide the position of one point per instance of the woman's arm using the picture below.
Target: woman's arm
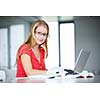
(26, 62)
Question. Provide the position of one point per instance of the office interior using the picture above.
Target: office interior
(86, 36)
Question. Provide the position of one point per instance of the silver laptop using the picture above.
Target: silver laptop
(81, 60)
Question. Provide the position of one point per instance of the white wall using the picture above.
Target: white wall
(88, 37)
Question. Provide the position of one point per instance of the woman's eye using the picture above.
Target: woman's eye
(44, 34)
(39, 32)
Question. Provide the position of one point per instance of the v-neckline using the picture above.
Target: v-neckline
(39, 60)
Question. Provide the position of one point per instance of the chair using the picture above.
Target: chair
(2, 76)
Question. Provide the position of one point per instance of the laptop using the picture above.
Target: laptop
(81, 60)
(79, 65)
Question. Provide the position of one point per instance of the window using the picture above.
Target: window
(67, 45)
(16, 39)
(61, 51)
(53, 55)
(3, 48)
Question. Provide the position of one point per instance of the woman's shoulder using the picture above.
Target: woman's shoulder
(23, 47)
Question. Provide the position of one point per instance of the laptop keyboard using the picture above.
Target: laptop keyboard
(70, 72)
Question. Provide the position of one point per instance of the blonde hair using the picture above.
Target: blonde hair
(30, 39)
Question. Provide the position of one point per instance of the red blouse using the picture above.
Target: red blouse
(35, 63)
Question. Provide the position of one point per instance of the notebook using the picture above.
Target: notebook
(81, 60)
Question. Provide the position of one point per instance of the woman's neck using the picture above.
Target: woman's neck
(36, 47)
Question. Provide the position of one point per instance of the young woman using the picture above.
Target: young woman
(31, 54)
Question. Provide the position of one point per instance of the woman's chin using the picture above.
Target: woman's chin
(39, 43)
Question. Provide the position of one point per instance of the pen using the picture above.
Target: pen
(51, 77)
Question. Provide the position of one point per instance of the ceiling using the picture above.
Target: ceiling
(48, 18)
(19, 19)
(56, 18)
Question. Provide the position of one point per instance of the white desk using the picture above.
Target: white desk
(96, 79)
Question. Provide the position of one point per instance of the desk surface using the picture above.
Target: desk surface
(96, 79)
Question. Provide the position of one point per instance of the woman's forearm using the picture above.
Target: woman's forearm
(35, 72)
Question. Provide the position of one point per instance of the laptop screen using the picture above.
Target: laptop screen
(81, 60)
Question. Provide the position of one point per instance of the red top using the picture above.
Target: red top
(35, 63)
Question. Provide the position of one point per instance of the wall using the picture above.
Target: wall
(87, 33)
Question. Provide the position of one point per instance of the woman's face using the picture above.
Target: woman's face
(40, 34)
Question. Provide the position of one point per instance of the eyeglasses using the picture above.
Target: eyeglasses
(41, 34)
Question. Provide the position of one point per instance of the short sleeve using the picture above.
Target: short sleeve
(24, 50)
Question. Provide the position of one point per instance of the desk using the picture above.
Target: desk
(96, 79)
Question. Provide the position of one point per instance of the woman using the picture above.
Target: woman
(31, 54)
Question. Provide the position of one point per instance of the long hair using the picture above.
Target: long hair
(30, 39)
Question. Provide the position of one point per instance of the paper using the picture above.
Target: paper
(40, 76)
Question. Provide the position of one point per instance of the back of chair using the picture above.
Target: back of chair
(2, 76)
